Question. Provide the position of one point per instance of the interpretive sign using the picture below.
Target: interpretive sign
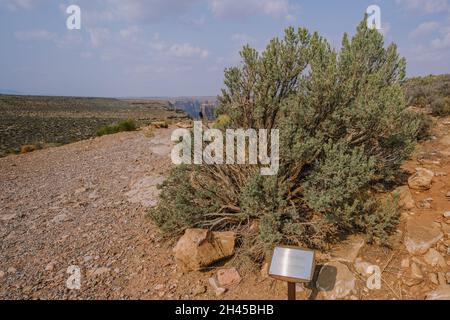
(294, 265)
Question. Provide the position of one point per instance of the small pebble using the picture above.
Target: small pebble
(12, 270)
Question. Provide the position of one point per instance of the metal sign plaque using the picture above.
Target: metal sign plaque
(292, 264)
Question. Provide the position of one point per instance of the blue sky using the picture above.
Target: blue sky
(181, 47)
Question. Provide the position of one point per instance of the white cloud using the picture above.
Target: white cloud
(150, 11)
(436, 50)
(17, 4)
(424, 29)
(156, 44)
(442, 42)
(278, 9)
(196, 22)
(429, 6)
(186, 50)
(178, 50)
(35, 35)
(130, 33)
(426, 54)
(99, 36)
(69, 39)
(132, 43)
(147, 11)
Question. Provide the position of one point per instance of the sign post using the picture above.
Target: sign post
(293, 265)
(291, 291)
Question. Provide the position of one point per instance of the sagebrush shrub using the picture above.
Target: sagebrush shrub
(343, 127)
(123, 126)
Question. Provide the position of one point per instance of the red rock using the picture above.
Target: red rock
(406, 200)
(200, 248)
(228, 278)
(421, 180)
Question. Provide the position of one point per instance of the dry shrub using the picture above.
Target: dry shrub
(28, 148)
(344, 128)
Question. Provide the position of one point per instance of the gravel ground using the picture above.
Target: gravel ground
(84, 205)
(78, 205)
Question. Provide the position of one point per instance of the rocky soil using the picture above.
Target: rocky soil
(84, 205)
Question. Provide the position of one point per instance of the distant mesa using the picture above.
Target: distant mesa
(10, 91)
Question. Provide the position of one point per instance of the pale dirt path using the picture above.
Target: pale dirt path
(84, 204)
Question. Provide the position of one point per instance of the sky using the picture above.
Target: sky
(144, 48)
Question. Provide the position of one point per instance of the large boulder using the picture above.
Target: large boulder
(422, 233)
(421, 180)
(336, 281)
(405, 200)
(199, 248)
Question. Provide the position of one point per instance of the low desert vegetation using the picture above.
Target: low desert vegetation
(160, 124)
(432, 92)
(222, 121)
(50, 121)
(123, 126)
(28, 148)
(344, 133)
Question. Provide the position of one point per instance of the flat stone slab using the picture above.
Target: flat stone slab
(422, 233)
(145, 191)
(441, 293)
(7, 217)
(348, 250)
(406, 200)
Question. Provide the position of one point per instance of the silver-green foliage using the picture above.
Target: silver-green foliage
(343, 128)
